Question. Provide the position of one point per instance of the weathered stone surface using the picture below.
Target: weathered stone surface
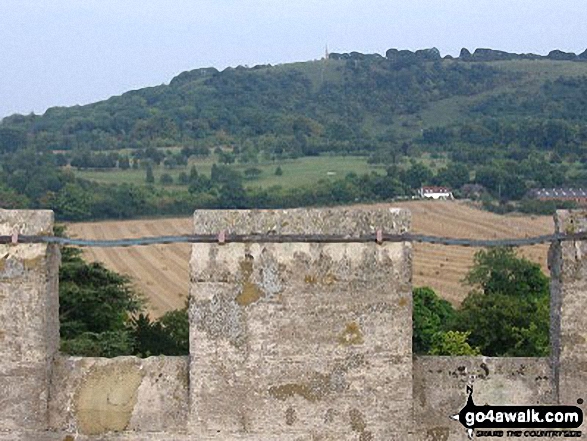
(93, 396)
(29, 324)
(29, 435)
(440, 389)
(29, 222)
(568, 264)
(301, 341)
(353, 222)
(288, 342)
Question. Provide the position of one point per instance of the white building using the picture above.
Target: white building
(435, 193)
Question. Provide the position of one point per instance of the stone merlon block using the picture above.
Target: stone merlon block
(568, 264)
(293, 340)
(30, 222)
(29, 320)
(337, 221)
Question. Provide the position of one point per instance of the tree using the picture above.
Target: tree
(198, 183)
(124, 163)
(278, 171)
(102, 316)
(170, 162)
(226, 157)
(169, 335)
(417, 175)
(232, 195)
(252, 173)
(73, 203)
(454, 175)
(182, 178)
(10, 199)
(431, 316)
(11, 139)
(508, 313)
(94, 306)
(224, 174)
(149, 178)
(501, 183)
(500, 270)
(452, 343)
(194, 173)
(60, 160)
(166, 179)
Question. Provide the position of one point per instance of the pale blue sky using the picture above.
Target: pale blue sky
(66, 52)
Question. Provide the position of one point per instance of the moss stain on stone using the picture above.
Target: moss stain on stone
(352, 335)
(310, 279)
(437, 434)
(33, 263)
(357, 420)
(246, 266)
(570, 227)
(403, 302)
(320, 385)
(330, 279)
(106, 399)
(316, 390)
(250, 292)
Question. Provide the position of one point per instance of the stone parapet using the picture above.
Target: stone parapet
(300, 340)
(29, 320)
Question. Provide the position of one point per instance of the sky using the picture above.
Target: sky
(68, 52)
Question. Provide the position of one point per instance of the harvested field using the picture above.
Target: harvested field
(443, 268)
(160, 272)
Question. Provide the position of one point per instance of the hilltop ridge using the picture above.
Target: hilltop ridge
(480, 54)
(507, 122)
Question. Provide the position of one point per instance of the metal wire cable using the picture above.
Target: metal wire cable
(299, 238)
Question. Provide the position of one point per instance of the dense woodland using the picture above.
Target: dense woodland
(499, 123)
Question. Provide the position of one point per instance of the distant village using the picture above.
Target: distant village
(562, 194)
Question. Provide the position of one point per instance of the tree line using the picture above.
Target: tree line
(505, 142)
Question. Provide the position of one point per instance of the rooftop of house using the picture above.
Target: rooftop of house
(558, 193)
(432, 189)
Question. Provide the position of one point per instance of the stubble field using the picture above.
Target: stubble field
(160, 272)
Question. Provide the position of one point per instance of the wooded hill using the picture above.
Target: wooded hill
(349, 103)
(512, 121)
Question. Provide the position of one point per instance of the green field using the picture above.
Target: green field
(296, 172)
